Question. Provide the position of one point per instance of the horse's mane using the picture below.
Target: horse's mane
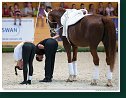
(59, 10)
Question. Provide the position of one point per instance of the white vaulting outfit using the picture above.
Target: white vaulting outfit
(25, 51)
(18, 51)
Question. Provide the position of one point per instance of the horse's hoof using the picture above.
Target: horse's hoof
(94, 82)
(69, 80)
(74, 78)
(109, 85)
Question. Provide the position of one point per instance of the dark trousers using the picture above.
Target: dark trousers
(50, 51)
(28, 53)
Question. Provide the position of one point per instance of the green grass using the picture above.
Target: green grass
(60, 49)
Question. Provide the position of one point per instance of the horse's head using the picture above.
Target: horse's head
(53, 19)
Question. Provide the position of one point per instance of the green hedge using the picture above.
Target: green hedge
(84, 49)
(6, 50)
(60, 49)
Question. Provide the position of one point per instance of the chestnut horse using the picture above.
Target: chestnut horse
(89, 31)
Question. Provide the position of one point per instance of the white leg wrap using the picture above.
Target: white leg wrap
(96, 72)
(29, 77)
(71, 71)
(75, 67)
(28, 71)
(109, 73)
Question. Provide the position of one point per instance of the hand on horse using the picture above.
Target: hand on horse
(40, 46)
(56, 36)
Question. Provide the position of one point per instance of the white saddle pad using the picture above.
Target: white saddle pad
(70, 17)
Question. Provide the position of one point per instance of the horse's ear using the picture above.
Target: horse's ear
(46, 13)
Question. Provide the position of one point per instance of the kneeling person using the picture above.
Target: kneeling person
(47, 47)
(24, 54)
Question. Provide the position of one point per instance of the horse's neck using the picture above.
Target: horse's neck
(59, 17)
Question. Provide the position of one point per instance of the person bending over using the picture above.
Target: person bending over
(47, 47)
(24, 54)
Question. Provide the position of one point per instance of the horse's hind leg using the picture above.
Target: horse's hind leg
(96, 69)
(74, 62)
(109, 73)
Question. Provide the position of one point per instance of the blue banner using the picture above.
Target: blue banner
(115, 20)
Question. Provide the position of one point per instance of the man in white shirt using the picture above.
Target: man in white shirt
(24, 54)
(109, 10)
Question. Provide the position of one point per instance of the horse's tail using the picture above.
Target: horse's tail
(110, 37)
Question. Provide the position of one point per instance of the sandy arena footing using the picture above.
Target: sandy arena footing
(85, 69)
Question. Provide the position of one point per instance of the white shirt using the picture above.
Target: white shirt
(26, 10)
(18, 51)
(109, 10)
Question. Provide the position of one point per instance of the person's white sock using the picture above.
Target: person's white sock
(75, 67)
(96, 72)
(70, 66)
(28, 72)
(109, 73)
(29, 77)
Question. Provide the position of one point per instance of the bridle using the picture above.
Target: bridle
(53, 30)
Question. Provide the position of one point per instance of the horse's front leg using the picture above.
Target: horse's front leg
(74, 62)
(67, 47)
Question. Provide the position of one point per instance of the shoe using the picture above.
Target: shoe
(29, 82)
(24, 82)
(46, 80)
